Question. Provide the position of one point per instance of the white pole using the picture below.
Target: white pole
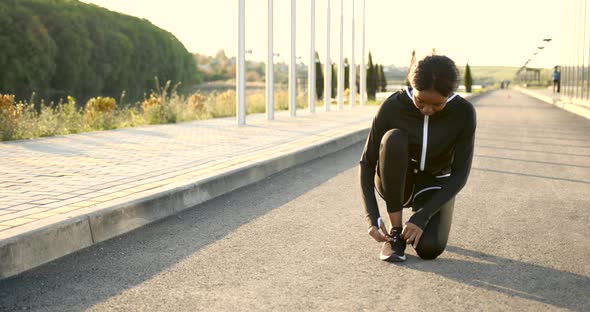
(270, 92)
(311, 72)
(241, 70)
(328, 74)
(341, 65)
(363, 83)
(352, 76)
(292, 68)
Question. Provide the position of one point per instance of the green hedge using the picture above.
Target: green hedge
(57, 48)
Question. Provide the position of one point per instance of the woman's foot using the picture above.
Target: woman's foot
(394, 251)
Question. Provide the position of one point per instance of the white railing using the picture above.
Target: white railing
(241, 68)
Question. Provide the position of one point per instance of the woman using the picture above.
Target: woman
(418, 154)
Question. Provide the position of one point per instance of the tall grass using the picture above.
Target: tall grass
(21, 120)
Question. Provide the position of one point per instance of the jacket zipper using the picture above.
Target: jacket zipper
(424, 144)
(425, 130)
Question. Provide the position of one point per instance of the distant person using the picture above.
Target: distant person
(556, 77)
(418, 154)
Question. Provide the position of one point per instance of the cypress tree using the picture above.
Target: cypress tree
(346, 74)
(468, 79)
(371, 79)
(377, 74)
(382, 79)
(358, 79)
(412, 61)
(334, 81)
(319, 77)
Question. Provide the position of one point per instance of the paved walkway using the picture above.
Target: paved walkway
(547, 95)
(50, 180)
(46, 177)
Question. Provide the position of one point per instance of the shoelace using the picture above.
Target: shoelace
(394, 237)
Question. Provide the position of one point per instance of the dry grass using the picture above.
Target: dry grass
(21, 120)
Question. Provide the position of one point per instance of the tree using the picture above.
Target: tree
(382, 79)
(319, 77)
(412, 61)
(60, 48)
(346, 74)
(334, 81)
(468, 79)
(377, 74)
(27, 56)
(371, 79)
(358, 79)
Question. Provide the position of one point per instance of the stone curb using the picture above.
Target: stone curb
(69, 234)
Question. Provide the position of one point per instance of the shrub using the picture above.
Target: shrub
(61, 47)
(281, 99)
(71, 117)
(6, 102)
(159, 107)
(22, 121)
(222, 104)
(99, 105)
(256, 102)
(100, 113)
(9, 115)
(153, 109)
(197, 103)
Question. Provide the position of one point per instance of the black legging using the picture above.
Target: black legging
(398, 180)
(556, 83)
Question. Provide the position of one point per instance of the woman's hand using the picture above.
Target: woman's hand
(377, 235)
(412, 233)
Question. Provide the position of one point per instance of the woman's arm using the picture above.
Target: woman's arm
(460, 168)
(367, 167)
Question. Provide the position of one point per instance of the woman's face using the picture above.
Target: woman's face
(429, 102)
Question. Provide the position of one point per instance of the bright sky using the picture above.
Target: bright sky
(491, 32)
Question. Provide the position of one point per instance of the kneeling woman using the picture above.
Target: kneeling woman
(418, 154)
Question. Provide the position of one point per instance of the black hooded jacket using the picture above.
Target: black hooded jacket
(441, 143)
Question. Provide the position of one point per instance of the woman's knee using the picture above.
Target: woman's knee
(430, 251)
(394, 138)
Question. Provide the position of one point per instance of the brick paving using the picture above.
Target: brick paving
(48, 177)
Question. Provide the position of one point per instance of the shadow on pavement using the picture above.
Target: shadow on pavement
(504, 140)
(531, 161)
(91, 276)
(505, 133)
(513, 278)
(530, 175)
(548, 106)
(503, 148)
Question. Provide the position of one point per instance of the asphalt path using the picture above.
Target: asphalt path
(297, 241)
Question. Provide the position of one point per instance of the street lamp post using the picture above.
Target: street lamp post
(270, 66)
(341, 65)
(524, 67)
(311, 71)
(292, 66)
(241, 70)
(352, 76)
(363, 83)
(328, 75)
